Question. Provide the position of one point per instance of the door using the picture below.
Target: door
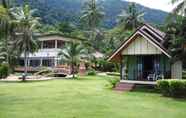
(148, 66)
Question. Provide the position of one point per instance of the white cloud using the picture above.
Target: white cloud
(164, 5)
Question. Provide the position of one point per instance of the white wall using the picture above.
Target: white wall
(141, 46)
(176, 70)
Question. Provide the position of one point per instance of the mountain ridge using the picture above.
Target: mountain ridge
(54, 11)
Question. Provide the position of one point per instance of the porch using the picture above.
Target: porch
(145, 69)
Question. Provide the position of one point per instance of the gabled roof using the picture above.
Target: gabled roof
(153, 35)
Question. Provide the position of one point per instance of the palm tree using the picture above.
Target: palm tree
(180, 8)
(27, 43)
(175, 38)
(72, 54)
(92, 16)
(3, 18)
(131, 18)
(4, 28)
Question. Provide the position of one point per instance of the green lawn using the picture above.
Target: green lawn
(86, 98)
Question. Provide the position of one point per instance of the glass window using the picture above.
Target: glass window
(48, 62)
(34, 63)
(60, 44)
(49, 44)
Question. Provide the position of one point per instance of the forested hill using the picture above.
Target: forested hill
(53, 11)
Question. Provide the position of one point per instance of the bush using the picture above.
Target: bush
(113, 81)
(178, 88)
(91, 72)
(173, 88)
(163, 86)
(106, 66)
(4, 70)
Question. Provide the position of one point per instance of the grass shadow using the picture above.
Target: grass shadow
(145, 89)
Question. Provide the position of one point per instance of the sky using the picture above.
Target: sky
(164, 5)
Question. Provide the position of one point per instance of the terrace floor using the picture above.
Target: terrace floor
(139, 82)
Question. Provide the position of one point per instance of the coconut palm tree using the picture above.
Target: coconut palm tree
(180, 8)
(26, 43)
(7, 30)
(3, 17)
(175, 38)
(131, 18)
(72, 54)
(92, 16)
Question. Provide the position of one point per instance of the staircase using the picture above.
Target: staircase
(124, 86)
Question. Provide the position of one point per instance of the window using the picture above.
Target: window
(48, 62)
(60, 44)
(34, 63)
(49, 44)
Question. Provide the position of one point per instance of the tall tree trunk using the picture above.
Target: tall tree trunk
(73, 71)
(4, 3)
(25, 68)
(7, 49)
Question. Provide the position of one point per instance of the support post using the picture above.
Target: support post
(41, 44)
(28, 62)
(121, 73)
(55, 62)
(55, 44)
(41, 62)
(121, 68)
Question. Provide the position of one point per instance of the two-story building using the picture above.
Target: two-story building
(47, 55)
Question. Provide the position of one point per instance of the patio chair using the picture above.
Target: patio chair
(160, 77)
(151, 77)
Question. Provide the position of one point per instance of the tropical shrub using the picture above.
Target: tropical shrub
(113, 81)
(178, 88)
(173, 88)
(163, 86)
(106, 66)
(91, 72)
(4, 70)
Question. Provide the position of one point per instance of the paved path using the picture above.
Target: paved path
(13, 78)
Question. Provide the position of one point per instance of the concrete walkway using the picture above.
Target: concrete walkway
(13, 78)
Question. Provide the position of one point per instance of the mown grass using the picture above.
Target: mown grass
(84, 98)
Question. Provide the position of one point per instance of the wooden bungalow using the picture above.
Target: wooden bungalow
(143, 57)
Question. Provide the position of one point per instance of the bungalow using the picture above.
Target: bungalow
(143, 57)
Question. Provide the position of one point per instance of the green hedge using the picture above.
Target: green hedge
(91, 72)
(4, 70)
(173, 88)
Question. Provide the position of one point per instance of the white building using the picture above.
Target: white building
(47, 55)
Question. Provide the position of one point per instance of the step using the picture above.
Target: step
(124, 87)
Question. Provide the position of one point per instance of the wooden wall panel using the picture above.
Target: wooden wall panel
(141, 46)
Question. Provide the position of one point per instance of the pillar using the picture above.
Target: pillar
(41, 62)
(28, 62)
(55, 62)
(41, 44)
(56, 44)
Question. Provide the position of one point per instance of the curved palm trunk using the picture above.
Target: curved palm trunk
(4, 3)
(73, 71)
(25, 68)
